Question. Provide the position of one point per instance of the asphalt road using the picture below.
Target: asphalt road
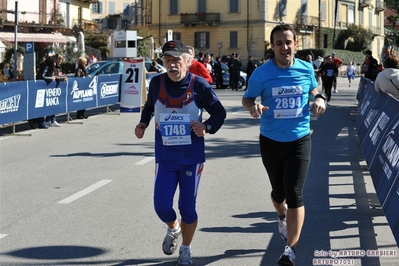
(81, 194)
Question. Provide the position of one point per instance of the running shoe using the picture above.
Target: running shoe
(169, 244)
(287, 258)
(185, 257)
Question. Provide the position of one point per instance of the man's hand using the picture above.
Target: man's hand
(198, 128)
(139, 130)
(257, 110)
(318, 107)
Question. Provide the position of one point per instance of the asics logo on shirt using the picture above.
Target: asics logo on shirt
(174, 117)
(286, 91)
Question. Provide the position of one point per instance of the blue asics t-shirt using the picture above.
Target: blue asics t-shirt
(286, 92)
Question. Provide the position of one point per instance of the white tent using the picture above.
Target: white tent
(2, 51)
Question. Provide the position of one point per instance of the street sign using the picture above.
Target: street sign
(29, 48)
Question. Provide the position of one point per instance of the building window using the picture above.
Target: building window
(351, 14)
(283, 8)
(97, 8)
(361, 14)
(201, 40)
(304, 7)
(370, 20)
(111, 8)
(323, 11)
(126, 9)
(125, 24)
(233, 39)
(112, 23)
(173, 7)
(234, 6)
(201, 6)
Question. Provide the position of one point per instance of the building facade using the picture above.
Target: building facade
(244, 26)
(38, 18)
(113, 15)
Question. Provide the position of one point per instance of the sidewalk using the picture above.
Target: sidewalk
(339, 192)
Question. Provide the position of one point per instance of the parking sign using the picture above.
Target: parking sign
(29, 48)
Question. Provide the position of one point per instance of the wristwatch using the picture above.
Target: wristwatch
(207, 128)
(321, 95)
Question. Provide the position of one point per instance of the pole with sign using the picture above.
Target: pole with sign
(30, 61)
(133, 85)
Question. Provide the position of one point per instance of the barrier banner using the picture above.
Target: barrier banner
(363, 83)
(133, 81)
(82, 93)
(46, 98)
(108, 92)
(378, 130)
(13, 102)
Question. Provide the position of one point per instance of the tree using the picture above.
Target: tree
(393, 20)
(143, 46)
(358, 38)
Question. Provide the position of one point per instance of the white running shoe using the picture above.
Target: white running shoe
(169, 244)
(287, 258)
(185, 257)
(54, 124)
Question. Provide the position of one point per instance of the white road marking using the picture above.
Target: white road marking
(84, 192)
(146, 160)
(2, 235)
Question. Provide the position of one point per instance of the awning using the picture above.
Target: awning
(34, 37)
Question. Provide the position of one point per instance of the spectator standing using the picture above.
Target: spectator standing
(285, 130)
(388, 80)
(181, 94)
(154, 67)
(81, 72)
(49, 75)
(386, 51)
(350, 72)
(250, 69)
(40, 121)
(309, 59)
(337, 62)
(201, 57)
(93, 59)
(370, 66)
(329, 72)
(207, 63)
(217, 70)
(58, 75)
(7, 72)
(230, 66)
(198, 68)
(235, 71)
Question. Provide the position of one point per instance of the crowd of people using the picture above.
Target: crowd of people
(328, 70)
(50, 70)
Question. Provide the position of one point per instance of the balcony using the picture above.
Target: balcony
(89, 1)
(365, 3)
(375, 30)
(380, 6)
(307, 20)
(200, 18)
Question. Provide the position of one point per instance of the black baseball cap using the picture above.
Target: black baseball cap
(174, 48)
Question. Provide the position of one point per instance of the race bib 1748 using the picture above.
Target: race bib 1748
(175, 129)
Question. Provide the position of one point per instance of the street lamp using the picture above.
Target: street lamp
(15, 40)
